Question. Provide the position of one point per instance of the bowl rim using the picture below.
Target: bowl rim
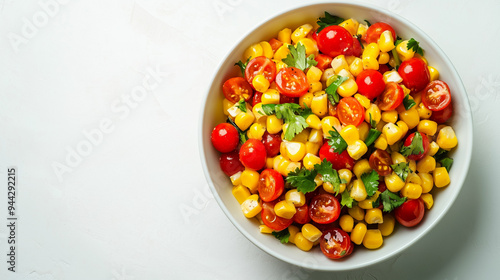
(466, 142)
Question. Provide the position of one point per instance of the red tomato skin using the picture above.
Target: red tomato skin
(342, 243)
(260, 65)
(370, 83)
(373, 33)
(354, 105)
(380, 159)
(253, 154)
(443, 115)
(302, 215)
(328, 201)
(425, 144)
(334, 40)
(410, 213)
(225, 138)
(275, 44)
(257, 98)
(293, 75)
(236, 88)
(230, 163)
(285, 99)
(270, 219)
(338, 161)
(433, 87)
(383, 68)
(276, 185)
(415, 74)
(391, 98)
(324, 61)
(356, 49)
(272, 143)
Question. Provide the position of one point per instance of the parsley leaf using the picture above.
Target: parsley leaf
(368, 23)
(331, 90)
(408, 103)
(416, 147)
(440, 154)
(336, 141)
(282, 235)
(346, 200)
(330, 175)
(297, 57)
(414, 45)
(293, 115)
(302, 179)
(243, 134)
(446, 163)
(370, 180)
(328, 20)
(402, 169)
(242, 66)
(391, 200)
(305, 112)
(442, 157)
(372, 136)
(242, 105)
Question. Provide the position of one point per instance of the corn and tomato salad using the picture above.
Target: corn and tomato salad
(337, 131)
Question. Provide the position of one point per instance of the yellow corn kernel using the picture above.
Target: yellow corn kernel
(426, 165)
(433, 72)
(350, 25)
(277, 161)
(348, 88)
(392, 62)
(397, 158)
(310, 45)
(427, 182)
(328, 187)
(306, 99)
(315, 135)
(284, 209)
(279, 65)
(363, 130)
(267, 50)
(421, 57)
(383, 58)
(314, 74)
(310, 160)
(357, 149)
(392, 76)
(300, 32)
(328, 123)
(446, 138)
(392, 133)
(374, 216)
(393, 182)
(373, 239)
(357, 213)
(380, 125)
(339, 63)
(253, 51)
(292, 166)
(327, 74)
(387, 227)
(241, 193)
(358, 191)
(362, 28)
(361, 167)
(433, 148)
(313, 121)
(411, 191)
(345, 174)
(374, 112)
(346, 222)
(311, 232)
(295, 197)
(404, 127)
(363, 100)
(313, 87)
(226, 104)
(236, 178)
(441, 177)
(356, 66)
(381, 142)
(260, 83)
(265, 229)
(273, 124)
(428, 127)
(257, 110)
(251, 206)
(250, 179)
(390, 116)
(428, 200)
(244, 120)
(410, 117)
(413, 178)
(270, 96)
(256, 131)
(285, 36)
(350, 59)
(358, 233)
(313, 148)
(318, 180)
(319, 104)
(368, 203)
(403, 51)
(281, 53)
(386, 42)
(293, 230)
(412, 165)
(350, 134)
(269, 162)
(369, 56)
(295, 151)
(302, 243)
(423, 112)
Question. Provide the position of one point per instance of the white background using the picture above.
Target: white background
(135, 204)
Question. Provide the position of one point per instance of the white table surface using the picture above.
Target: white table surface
(136, 204)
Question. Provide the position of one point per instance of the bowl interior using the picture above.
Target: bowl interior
(403, 237)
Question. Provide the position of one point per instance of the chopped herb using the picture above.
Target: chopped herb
(376, 203)
(242, 105)
(373, 135)
(370, 180)
(331, 90)
(398, 40)
(359, 40)
(408, 103)
(373, 123)
(446, 163)
(243, 134)
(242, 66)
(346, 200)
(330, 175)
(328, 20)
(395, 55)
(416, 147)
(283, 235)
(414, 45)
(368, 23)
(336, 141)
(391, 200)
(442, 157)
(293, 115)
(297, 57)
(402, 169)
(302, 179)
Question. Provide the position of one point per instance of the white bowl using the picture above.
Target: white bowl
(220, 185)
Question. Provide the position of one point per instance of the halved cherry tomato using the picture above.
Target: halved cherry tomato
(425, 144)
(373, 33)
(324, 209)
(324, 61)
(336, 243)
(257, 98)
(272, 143)
(332, 109)
(443, 115)
(225, 138)
(414, 73)
(391, 98)
(370, 83)
(230, 163)
(292, 82)
(436, 96)
(338, 161)
(271, 185)
(410, 213)
(253, 154)
(275, 44)
(302, 215)
(237, 88)
(356, 49)
(334, 40)
(381, 162)
(260, 65)
(270, 218)
(350, 111)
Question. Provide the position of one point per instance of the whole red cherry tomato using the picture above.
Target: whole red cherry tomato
(414, 73)
(230, 163)
(338, 161)
(253, 154)
(410, 213)
(334, 40)
(370, 83)
(225, 138)
(272, 143)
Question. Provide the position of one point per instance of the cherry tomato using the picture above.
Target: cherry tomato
(253, 154)
(271, 143)
(350, 111)
(373, 33)
(391, 98)
(383, 68)
(225, 137)
(356, 49)
(257, 98)
(285, 99)
(415, 74)
(443, 115)
(324, 208)
(237, 88)
(410, 213)
(332, 109)
(302, 215)
(275, 44)
(338, 161)
(334, 40)
(436, 96)
(370, 83)
(324, 61)
(291, 82)
(336, 243)
(381, 162)
(425, 144)
(230, 163)
(271, 185)
(260, 65)
(270, 218)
